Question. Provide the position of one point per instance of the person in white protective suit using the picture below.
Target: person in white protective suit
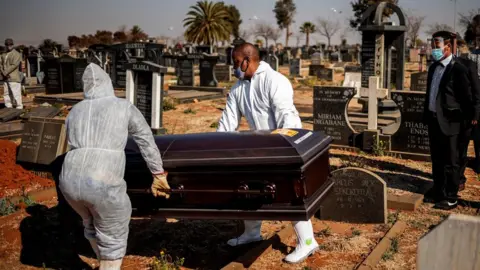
(91, 179)
(265, 98)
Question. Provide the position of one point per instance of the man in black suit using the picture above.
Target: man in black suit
(473, 76)
(451, 107)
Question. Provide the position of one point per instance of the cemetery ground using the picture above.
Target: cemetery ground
(32, 231)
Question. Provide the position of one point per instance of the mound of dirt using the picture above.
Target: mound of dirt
(13, 177)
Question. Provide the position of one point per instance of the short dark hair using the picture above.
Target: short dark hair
(446, 35)
(8, 42)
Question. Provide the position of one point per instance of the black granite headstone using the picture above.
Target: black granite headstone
(223, 73)
(53, 82)
(185, 73)
(43, 112)
(33, 65)
(295, 67)
(412, 136)
(368, 57)
(273, 61)
(42, 141)
(120, 73)
(325, 74)
(313, 69)
(358, 196)
(419, 81)
(356, 69)
(207, 75)
(143, 90)
(7, 114)
(329, 112)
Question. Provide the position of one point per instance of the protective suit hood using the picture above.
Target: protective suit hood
(263, 67)
(96, 83)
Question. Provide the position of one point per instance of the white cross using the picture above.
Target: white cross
(373, 92)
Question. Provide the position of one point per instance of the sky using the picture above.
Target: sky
(36, 20)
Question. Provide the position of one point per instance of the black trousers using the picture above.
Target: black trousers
(449, 155)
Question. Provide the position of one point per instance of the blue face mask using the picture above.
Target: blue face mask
(437, 54)
(238, 71)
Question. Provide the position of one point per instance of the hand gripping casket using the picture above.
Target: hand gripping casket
(269, 175)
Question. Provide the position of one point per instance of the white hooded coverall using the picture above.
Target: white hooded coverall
(92, 173)
(267, 103)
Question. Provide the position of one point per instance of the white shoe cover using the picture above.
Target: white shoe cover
(306, 243)
(93, 243)
(251, 234)
(111, 265)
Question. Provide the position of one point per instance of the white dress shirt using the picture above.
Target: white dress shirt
(437, 78)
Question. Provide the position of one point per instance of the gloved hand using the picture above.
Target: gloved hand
(159, 183)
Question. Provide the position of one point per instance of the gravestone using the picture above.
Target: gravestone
(42, 112)
(355, 69)
(33, 65)
(330, 112)
(7, 114)
(120, 59)
(64, 75)
(223, 73)
(325, 74)
(314, 69)
(383, 46)
(358, 196)
(418, 81)
(42, 141)
(295, 67)
(412, 136)
(207, 75)
(317, 58)
(263, 54)
(273, 61)
(185, 72)
(145, 90)
(453, 244)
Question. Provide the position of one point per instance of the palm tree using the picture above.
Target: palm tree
(284, 12)
(307, 28)
(206, 23)
(137, 34)
(235, 20)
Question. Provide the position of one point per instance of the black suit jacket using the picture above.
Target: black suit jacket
(456, 104)
(474, 82)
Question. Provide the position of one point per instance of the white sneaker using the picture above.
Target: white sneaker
(302, 252)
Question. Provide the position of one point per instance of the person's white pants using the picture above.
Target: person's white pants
(12, 90)
(306, 243)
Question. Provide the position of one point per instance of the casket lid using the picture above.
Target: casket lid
(281, 146)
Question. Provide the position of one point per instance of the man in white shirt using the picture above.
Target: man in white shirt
(265, 98)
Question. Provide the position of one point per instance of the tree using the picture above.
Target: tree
(327, 29)
(104, 37)
(120, 36)
(244, 34)
(284, 12)
(414, 24)
(263, 30)
(360, 6)
(137, 34)
(206, 23)
(438, 27)
(275, 34)
(307, 28)
(73, 41)
(471, 23)
(259, 42)
(234, 19)
(47, 46)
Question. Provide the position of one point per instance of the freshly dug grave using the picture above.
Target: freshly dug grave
(14, 179)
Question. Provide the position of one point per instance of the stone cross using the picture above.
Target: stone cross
(373, 92)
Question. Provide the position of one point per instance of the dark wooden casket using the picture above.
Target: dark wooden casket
(282, 175)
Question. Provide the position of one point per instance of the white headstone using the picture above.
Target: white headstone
(353, 79)
(453, 244)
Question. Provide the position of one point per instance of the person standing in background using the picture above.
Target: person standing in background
(9, 70)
